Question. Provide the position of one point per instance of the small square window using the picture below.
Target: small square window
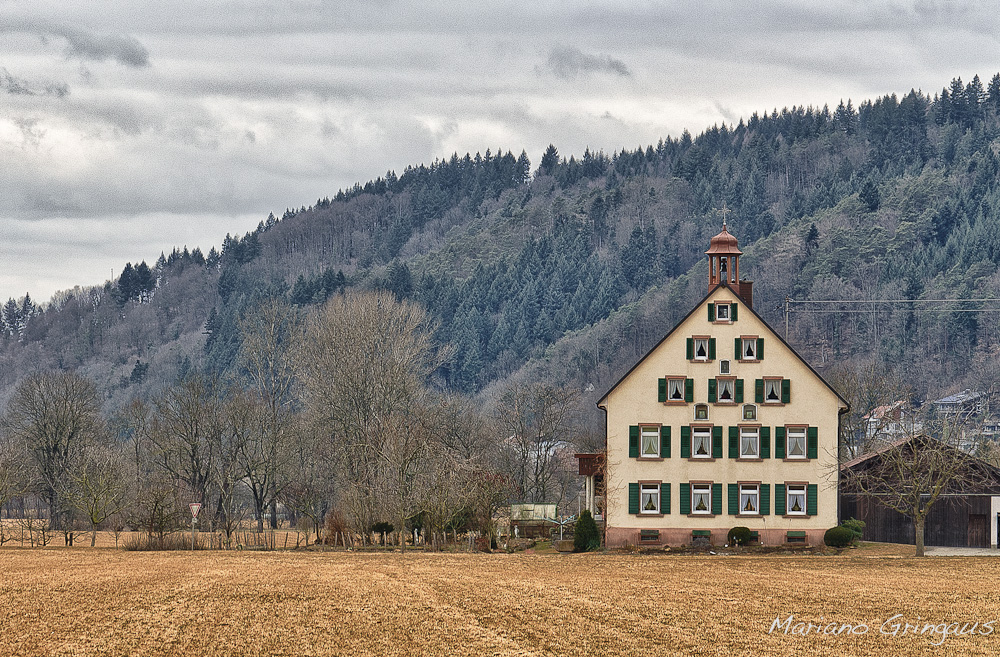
(725, 391)
(749, 443)
(749, 412)
(701, 411)
(749, 349)
(701, 498)
(675, 389)
(749, 499)
(701, 443)
(772, 391)
(796, 500)
(796, 443)
(650, 442)
(722, 312)
(701, 348)
(724, 367)
(649, 498)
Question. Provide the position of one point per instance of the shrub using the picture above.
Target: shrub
(586, 537)
(856, 526)
(838, 537)
(738, 536)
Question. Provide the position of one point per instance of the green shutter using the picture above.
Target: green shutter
(760, 348)
(689, 390)
(661, 390)
(664, 498)
(716, 442)
(739, 391)
(765, 442)
(633, 498)
(811, 500)
(665, 442)
(717, 499)
(734, 442)
(738, 348)
(765, 499)
(812, 443)
(685, 500)
(779, 499)
(779, 443)
(685, 442)
(758, 391)
(711, 312)
(712, 387)
(734, 499)
(633, 442)
(732, 311)
(711, 348)
(786, 391)
(690, 348)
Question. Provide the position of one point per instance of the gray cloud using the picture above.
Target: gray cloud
(81, 44)
(20, 87)
(568, 62)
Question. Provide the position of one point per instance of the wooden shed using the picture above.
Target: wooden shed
(965, 515)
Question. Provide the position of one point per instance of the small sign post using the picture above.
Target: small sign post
(195, 508)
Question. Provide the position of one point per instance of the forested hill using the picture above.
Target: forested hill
(571, 270)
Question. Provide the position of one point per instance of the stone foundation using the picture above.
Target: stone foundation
(629, 536)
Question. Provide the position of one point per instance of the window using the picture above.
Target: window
(650, 441)
(726, 393)
(749, 412)
(722, 312)
(701, 443)
(796, 439)
(748, 349)
(701, 348)
(749, 499)
(772, 391)
(701, 411)
(675, 389)
(701, 498)
(649, 498)
(796, 499)
(749, 442)
(724, 367)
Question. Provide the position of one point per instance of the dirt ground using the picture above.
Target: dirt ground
(84, 601)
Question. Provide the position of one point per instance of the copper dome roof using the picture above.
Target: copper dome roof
(724, 243)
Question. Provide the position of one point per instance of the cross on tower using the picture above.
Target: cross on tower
(725, 211)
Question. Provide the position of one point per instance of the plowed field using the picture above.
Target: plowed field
(107, 602)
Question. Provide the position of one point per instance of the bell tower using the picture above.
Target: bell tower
(724, 265)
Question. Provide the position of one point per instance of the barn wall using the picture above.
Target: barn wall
(946, 525)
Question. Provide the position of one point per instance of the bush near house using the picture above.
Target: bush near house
(738, 536)
(838, 537)
(586, 536)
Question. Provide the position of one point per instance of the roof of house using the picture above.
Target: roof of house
(959, 397)
(993, 470)
(748, 307)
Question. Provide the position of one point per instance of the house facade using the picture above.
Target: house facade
(720, 425)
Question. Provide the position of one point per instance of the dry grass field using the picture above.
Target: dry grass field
(59, 601)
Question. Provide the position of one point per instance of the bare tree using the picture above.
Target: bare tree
(365, 360)
(185, 435)
(879, 399)
(534, 421)
(266, 359)
(97, 486)
(52, 416)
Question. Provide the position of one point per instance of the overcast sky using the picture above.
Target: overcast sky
(128, 128)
